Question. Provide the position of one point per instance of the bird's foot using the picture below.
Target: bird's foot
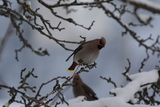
(91, 65)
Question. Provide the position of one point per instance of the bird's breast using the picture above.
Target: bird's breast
(86, 58)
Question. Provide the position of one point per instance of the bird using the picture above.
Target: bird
(86, 53)
(81, 89)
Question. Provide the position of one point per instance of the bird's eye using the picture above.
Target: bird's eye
(100, 46)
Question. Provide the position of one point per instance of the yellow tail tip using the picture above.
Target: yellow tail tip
(70, 70)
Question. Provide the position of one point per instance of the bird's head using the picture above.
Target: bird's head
(76, 80)
(102, 43)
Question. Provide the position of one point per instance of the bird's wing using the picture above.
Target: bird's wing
(76, 50)
(89, 92)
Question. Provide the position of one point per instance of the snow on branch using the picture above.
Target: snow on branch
(146, 4)
(139, 82)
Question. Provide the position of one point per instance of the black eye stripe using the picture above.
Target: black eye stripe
(100, 46)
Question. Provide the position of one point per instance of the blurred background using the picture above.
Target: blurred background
(110, 63)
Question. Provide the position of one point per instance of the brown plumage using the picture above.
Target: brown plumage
(81, 89)
(87, 52)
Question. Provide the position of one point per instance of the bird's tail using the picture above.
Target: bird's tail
(72, 67)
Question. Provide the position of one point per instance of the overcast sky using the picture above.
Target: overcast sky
(110, 63)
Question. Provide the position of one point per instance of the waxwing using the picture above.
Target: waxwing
(86, 53)
(81, 89)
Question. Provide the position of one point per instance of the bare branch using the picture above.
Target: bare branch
(109, 81)
(142, 5)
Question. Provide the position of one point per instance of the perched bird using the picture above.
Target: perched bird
(86, 53)
(81, 89)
